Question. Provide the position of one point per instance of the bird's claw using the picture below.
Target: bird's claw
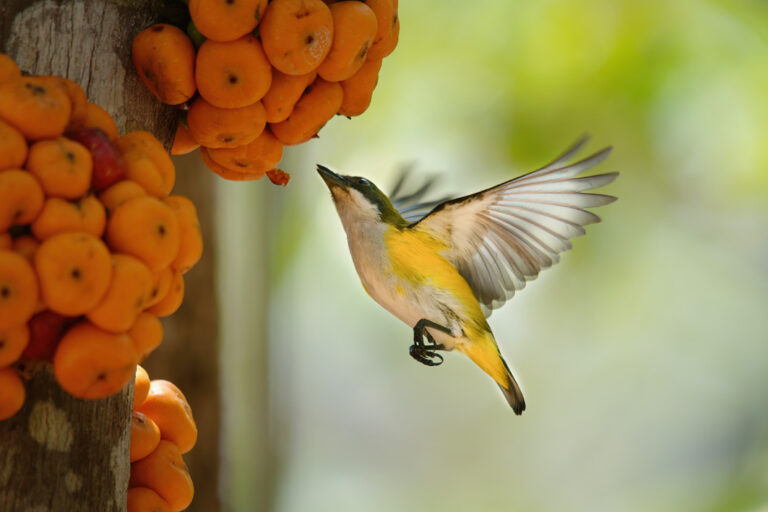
(425, 356)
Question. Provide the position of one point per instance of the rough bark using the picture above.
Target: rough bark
(188, 354)
(59, 453)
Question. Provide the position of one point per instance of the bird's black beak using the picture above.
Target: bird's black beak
(331, 178)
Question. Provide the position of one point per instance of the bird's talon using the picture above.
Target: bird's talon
(424, 356)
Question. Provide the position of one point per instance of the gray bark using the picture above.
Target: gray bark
(60, 453)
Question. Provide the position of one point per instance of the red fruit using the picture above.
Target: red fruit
(279, 177)
(45, 331)
(108, 165)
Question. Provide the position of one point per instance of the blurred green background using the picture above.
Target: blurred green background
(643, 355)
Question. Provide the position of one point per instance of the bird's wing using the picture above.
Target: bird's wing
(411, 204)
(504, 236)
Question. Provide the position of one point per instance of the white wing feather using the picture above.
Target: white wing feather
(502, 237)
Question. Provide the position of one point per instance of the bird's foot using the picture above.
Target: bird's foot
(425, 352)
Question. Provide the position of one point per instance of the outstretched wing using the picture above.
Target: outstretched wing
(504, 236)
(411, 204)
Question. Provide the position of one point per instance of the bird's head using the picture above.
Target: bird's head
(358, 199)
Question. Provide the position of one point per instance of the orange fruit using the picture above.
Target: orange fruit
(358, 89)
(165, 61)
(26, 246)
(145, 436)
(191, 239)
(296, 34)
(146, 334)
(232, 74)
(8, 69)
(320, 102)
(147, 162)
(257, 157)
(119, 193)
(140, 385)
(388, 29)
(161, 284)
(91, 363)
(183, 142)
(142, 499)
(96, 118)
(147, 228)
(172, 300)
(59, 215)
(12, 393)
(284, 93)
(13, 341)
(128, 292)
(354, 30)
(13, 147)
(21, 198)
(216, 127)
(35, 107)
(224, 172)
(168, 408)
(18, 290)
(226, 20)
(164, 472)
(74, 270)
(62, 166)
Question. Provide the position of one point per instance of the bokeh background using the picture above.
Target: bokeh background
(643, 355)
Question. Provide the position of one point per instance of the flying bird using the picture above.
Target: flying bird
(444, 272)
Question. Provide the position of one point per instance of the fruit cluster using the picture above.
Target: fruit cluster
(256, 76)
(92, 246)
(162, 429)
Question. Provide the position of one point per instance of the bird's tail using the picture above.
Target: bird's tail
(485, 353)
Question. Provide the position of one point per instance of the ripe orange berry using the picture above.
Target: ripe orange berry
(140, 145)
(164, 472)
(91, 363)
(59, 215)
(119, 193)
(284, 93)
(13, 147)
(13, 341)
(142, 499)
(6, 242)
(140, 385)
(12, 393)
(147, 228)
(18, 290)
(296, 34)
(191, 239)
(126, 297)
(358, 89)
(145, 436)
(224, 172)
(215, 127)
(226, 20)
(21, 198)
(388, 28)
(62, 166)
(320, 102)
(74, 269)
(172, 300)
(354, 29)
(35, 107)
(233, 74)
(146, 333)
(161, 284)
(166, 405)
(183, 142)
(8, 69)
(258, 157)
(77, 99)
(165, 61)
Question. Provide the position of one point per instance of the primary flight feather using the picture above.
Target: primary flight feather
(443, 273)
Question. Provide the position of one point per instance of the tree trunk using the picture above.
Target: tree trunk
(60, 453)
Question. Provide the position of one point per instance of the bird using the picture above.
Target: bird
(442, 267)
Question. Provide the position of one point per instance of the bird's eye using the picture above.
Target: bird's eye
(364, 181)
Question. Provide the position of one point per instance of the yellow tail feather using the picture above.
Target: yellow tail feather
(484, 352)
